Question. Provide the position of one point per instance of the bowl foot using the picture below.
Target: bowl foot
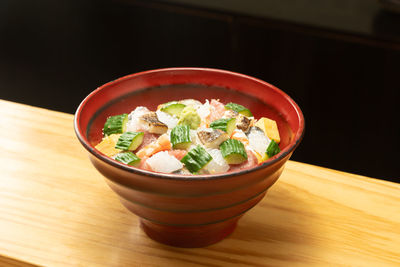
(189, 236)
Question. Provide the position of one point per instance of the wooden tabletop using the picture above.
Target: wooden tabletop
(56, 210)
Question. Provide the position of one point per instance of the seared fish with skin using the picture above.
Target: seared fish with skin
(155, 126)
(243, 123)
(212, 138)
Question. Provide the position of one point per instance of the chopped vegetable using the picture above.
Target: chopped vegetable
(233, 151)
(239, 109)
(227, 125)
(173, 108)
(196, 159)
(272, 149)
(130, 140)
(180, 137)
(128, 158)
(115, 124)
(270, 128)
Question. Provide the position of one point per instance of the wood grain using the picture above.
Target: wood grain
(56, 210)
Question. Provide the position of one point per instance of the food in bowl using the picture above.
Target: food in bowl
(189, 137)
(188, 210)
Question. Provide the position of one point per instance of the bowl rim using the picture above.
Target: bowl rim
(285, 152)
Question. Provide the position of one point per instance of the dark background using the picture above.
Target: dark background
(340, 61)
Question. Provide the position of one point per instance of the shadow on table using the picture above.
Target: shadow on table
(5, 261)
(281, 228)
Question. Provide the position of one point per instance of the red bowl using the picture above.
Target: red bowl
(188, 211)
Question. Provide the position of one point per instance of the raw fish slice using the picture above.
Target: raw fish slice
(217, 164)
(167, 119)
(134, 124)
(164, 162)
(258, 140)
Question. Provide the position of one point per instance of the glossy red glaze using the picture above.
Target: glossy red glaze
(188, 211)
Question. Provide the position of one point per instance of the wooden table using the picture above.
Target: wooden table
(56, 210)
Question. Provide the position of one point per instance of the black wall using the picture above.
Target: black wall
(53, 53)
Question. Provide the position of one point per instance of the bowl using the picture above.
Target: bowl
(179, 210)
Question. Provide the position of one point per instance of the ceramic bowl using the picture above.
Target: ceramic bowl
(178, 210)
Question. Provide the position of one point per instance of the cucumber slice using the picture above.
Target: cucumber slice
(227, 125)
(272, 149)
(239, 109)
(128, 158)
(173, 108)
(180, 137)
(130, 140)
(196, 159)
(233, 151)
(115, 124)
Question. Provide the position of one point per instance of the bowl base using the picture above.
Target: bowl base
(189, 236)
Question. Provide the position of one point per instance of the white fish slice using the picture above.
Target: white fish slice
(164, 162)
(218, 164)
(170, 121)
(134, 124)
(258, 140)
